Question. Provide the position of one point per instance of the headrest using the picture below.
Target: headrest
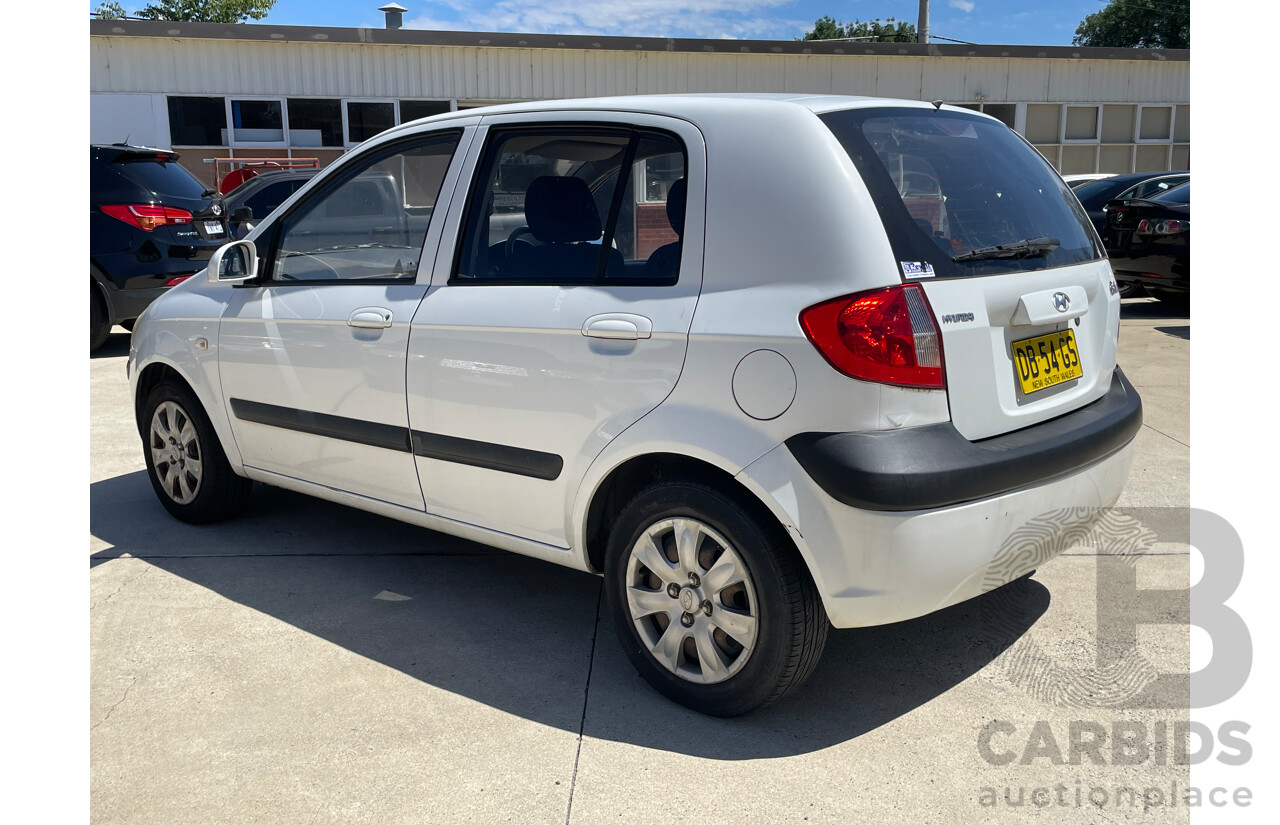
(561, 210)
(675, 205)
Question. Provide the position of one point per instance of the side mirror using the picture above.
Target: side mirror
(234, 263)
(242, 214)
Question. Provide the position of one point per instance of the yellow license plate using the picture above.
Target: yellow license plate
(1046, 361)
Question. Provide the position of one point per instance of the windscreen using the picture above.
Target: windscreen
(962, 195)
(162, 178)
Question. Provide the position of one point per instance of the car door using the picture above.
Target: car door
(558, 313)
(312, 355)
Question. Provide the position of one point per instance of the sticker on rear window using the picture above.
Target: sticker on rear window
(916, 269)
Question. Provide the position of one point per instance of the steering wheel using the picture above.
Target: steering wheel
(513, 237)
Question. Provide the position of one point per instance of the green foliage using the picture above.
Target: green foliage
(875, 31)
(207, 11)
(1138, 24)
(109, 11)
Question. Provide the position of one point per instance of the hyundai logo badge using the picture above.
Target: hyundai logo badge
(1061, 302)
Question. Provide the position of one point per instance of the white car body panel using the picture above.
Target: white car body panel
(509, 365)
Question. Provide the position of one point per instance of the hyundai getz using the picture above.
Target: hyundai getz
(768, 364)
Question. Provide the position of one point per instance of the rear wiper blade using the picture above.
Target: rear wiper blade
(1029, 248)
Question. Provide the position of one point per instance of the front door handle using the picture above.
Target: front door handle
(370, 318)
(618, 326)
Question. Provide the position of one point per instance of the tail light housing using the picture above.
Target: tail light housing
(886, 335)
(1171, 226)
(147, 216)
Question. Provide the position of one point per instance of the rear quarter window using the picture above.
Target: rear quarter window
(948, 184)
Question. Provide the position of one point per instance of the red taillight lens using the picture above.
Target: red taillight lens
(888, 336)
(1144, 227)
(146, 216)
(176, 281)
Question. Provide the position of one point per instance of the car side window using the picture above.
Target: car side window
(370, 223)
(271, 196)
(547, 208)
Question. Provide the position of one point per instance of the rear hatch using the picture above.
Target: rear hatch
(170, 185)
(1018, 286)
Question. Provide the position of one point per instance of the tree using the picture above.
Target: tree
(109, 11)
(1138, 24)
(826, 28)
(196, 11)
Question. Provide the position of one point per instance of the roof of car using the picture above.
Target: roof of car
(693, 107)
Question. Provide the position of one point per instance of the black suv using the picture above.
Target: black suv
(151, 225)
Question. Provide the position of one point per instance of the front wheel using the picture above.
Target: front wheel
(710, 600)
(185, 462)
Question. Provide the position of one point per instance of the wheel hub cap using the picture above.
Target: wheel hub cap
(691, 600)
(175, 452)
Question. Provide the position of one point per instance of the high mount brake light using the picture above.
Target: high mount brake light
(886, 335)
(147, 216)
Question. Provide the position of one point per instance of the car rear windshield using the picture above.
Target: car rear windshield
(961, 195)
(162, 178)
(1178, 194)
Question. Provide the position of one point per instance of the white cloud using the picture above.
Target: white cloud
(636, 18)
(965, 6)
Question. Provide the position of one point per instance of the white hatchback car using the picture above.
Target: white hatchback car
(768, 363)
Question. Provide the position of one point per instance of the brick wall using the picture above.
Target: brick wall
(652, 229)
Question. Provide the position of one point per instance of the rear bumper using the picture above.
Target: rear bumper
(879, 565)
(934, 466)
(874, 568)
(1156, 267)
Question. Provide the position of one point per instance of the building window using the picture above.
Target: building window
(415, 109)
(366, 119)
(197, 121)
(315, 122)
(257, 121)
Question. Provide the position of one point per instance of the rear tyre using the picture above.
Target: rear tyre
(185, 462)
(99, 320)
(711, 601)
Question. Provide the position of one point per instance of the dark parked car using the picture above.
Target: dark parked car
(151, 225)
(1149, 242)
(261, 195)
(1095, 195)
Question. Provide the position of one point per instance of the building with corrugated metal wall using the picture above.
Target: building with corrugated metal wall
(210, 90)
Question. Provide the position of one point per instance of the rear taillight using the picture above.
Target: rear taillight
(176, 281)
(1165, 227)
(888, 336)
(146, 216)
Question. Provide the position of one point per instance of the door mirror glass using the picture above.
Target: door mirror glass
(234, 263)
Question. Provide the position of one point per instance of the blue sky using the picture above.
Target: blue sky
(978, 21)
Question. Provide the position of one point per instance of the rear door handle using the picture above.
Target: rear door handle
(370, 318)
(618, 326)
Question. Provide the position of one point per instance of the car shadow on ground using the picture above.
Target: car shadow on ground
(518, 634)
(1136, 308)
(116, 345)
